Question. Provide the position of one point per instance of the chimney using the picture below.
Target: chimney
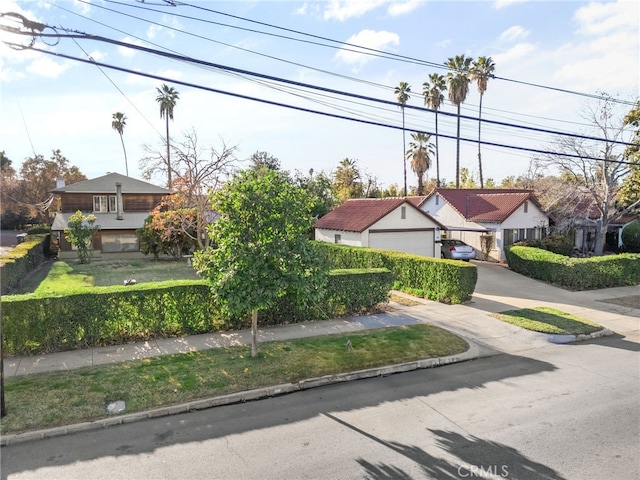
(119, 200)
(60, 183)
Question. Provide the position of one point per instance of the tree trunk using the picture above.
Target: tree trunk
(404, 154)
(601, 237)
(437, 154)
(126, 162)
(3, 410)
(168, 154)
(254, 333)
(479, 154)
(458, 151)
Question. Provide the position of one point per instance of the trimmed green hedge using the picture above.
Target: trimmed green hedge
(575, 273)
(117, 314)
(447, 281)
(19, 261)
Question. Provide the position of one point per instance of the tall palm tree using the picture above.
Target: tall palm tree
(402, 94)
(167, 98)
(433, 98)
(420, 151)
(481, 71)
(118, 122)
(458, 83)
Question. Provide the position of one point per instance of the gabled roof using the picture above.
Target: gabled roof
(485, 205)
(107, 185)
(358, 214)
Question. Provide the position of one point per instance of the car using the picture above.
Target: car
(457, 250)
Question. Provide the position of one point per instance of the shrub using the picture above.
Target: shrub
(19, 261)
(40, 228)
(118, 314)
(447, 281)
(631, 236)
(575, 273)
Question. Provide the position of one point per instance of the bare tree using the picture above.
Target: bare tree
(198, 172)
(595, 165)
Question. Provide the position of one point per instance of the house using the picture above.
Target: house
(385, 223)
(494, 218)
(121, 205)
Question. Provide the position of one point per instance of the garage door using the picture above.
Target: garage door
(415, 242)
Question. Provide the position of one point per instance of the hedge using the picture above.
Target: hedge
(99, 316)
(19, 261)
(575, 273)
(447, 281)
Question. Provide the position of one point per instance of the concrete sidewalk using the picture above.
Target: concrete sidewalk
(486, 336)
(498, 289)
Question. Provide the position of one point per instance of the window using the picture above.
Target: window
(437, 199)
(337, 238)
(403, 213)
(531, 233)
(526, 206)
(104, 203)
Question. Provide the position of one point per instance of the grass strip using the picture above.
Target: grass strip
(548, 320)
(47, 400)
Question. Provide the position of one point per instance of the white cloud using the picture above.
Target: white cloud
(129, 52)
(402, 8)
(97, 55)
(378, 40)
(46, 67)
(153, 30)
(83, 7)
(601, 18)
(344, 9)
(507, 3)
(514, 33)
(517, 52)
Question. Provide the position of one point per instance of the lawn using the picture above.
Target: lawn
(58, 276)
(548, 320)
(62, 398)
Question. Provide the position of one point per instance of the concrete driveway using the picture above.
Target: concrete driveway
(499, 289)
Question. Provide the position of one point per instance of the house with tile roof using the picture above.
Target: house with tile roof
(385, 223)
(121, 205)
(497, 217)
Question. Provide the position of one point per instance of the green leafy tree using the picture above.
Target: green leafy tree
(79, 233)
(118, 122)
(481, 71)
(167, 99)
(402, 94)
(347, 180)
(420, 151)
(433, 92)
(262, 248)
(458, 83)
(630, 191)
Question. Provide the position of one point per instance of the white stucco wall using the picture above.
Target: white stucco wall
(346, 238)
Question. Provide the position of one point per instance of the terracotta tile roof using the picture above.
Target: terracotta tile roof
(486, 205)
(358, 214)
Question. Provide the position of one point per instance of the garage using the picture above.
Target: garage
(418, 241)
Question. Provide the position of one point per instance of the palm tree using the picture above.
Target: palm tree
(118, 122)
(419, 153)
(347, 180)
(458, 83)
(433, 98)
(167, 98)
(402, 94)
(481, 71)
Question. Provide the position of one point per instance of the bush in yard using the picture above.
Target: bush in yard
(97, 316)
(447, 281)
(79, 233)
(575, 273)
(19, 261)
(631, 237)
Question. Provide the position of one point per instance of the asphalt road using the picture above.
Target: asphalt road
(557, 412)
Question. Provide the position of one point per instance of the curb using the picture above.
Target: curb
(564, 339)
(471, 353)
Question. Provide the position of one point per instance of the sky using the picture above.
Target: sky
(549, 58)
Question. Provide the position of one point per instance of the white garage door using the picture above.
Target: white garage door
(415, 242)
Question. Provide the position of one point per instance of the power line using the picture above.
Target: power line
(302, 109)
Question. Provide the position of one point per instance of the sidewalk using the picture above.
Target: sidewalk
(486, 336)
(472, 321)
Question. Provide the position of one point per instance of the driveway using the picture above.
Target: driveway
(500, 289)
